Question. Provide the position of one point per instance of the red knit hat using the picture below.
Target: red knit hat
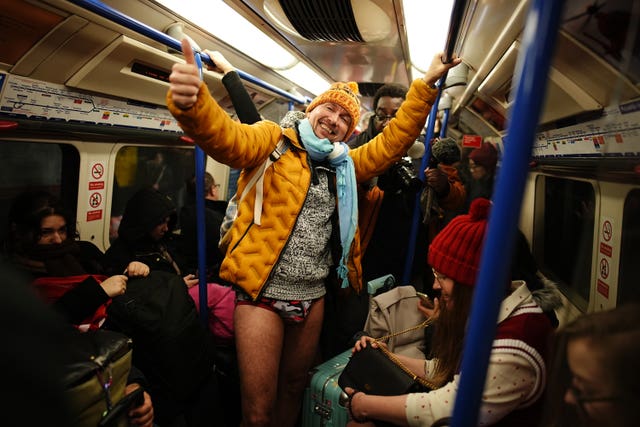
(346, 96)
(486, 155)
(455, 251)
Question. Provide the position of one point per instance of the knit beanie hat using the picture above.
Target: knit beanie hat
(344, 95)
(455, 251)
(486, 155)
(446, 151)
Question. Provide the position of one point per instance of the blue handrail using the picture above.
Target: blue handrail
(531, 75)
(112, 14)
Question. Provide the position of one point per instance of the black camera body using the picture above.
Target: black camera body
(401, 177)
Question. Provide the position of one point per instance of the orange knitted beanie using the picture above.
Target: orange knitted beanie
(344, 95)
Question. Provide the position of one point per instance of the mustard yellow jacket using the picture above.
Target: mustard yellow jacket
(254, 250)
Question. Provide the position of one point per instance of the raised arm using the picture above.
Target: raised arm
(240, 98)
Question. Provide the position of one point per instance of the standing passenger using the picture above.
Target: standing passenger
(214, 210)
(482, 166)
(385, 212)
(280, 256)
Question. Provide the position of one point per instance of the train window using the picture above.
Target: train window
(628, 285)
(163, 168)
(37, 166)
(567, 246)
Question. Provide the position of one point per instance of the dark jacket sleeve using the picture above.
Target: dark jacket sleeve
(82, 301)
(136, 376)
(242, 102)
(117, 258)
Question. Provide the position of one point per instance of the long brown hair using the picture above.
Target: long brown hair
(448, 334)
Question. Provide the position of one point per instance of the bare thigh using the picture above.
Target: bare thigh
(300, 347)
(259, 334)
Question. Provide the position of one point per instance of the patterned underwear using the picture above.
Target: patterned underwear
(289, 311)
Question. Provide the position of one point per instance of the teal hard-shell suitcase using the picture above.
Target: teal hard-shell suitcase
(321, 406)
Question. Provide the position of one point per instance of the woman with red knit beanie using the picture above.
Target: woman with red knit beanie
(517, 371)
(482, 169)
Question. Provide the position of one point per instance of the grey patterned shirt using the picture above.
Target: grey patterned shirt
(305, 260)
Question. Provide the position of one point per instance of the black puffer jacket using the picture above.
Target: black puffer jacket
(144, 211)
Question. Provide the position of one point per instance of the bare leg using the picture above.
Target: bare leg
(298, 355)
(259, 335)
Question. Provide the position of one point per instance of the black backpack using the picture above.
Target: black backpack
(170, 345)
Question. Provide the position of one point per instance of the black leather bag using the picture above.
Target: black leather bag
(372, 371)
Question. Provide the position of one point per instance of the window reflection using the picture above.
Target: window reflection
(569, 210)
(165, 169)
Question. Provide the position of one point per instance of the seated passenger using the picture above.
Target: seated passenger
(145, 235)
(596, 381)
(41, 241)
(516, 372)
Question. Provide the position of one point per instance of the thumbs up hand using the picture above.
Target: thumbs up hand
(185, 79)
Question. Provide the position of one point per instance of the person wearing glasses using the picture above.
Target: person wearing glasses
(516, 375)
(596, 381)
(385, 205)
(213, 216)
(386, 103)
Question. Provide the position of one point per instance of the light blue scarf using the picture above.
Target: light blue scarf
(319, 150)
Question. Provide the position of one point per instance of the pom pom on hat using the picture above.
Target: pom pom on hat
(486, 155)
(455, 251)
(446, 151)
(344, 95)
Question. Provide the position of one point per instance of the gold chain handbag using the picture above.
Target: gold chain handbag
(375, 370)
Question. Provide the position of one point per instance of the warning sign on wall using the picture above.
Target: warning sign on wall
(605, 253)
(96, 191)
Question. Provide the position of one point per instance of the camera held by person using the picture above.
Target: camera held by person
(402, 177)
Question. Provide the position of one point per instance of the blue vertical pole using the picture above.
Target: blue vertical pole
(200, 165)
(415, 220)
(531, 76)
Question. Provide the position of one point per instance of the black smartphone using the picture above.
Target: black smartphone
(120, 409)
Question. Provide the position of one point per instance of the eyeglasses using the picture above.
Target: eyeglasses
(383, 118)
(582, 399)
(439, 277)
